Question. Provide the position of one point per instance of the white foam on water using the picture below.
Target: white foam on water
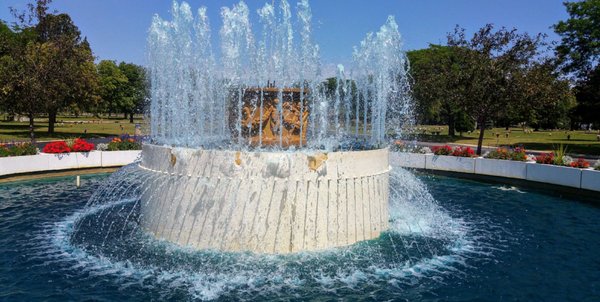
(509, 188)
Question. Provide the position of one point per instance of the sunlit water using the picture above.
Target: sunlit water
(462, 241)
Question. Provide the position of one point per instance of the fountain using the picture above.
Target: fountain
(265, 184)
(260, 154)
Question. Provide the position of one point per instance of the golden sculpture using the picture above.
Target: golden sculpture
(265, 126)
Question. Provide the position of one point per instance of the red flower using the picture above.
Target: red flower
(580, 163)
(80, 145)
(463, 152)
(56, 147)
(441, 150)
(545, 158)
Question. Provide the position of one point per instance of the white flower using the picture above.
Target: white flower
(567, 160)
(102, 147)
(425, 150)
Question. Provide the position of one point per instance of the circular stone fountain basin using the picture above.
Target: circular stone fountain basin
(267, 202)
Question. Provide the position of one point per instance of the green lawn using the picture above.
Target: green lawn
(580, 142)
(67, 127)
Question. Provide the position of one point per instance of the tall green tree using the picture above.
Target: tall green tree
(579, 52)
(68, 65)
(113, 86)
(492, 58)
(136, 90)
(579, 49)
(588, 99)
(7, 40)
(18, 89)
(437, 87)
(545, 97)
(49, 67)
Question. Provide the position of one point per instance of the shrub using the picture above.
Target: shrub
(580, 163)
(442, 150)
(56, 147)
(559, 155)
(118, 144)
(545, 158)
(500, 153)
(81, 145)
(463, 152)
(519, 154)
(18, 149)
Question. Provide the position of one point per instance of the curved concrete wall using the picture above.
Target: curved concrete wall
(67, 161)
(271, 202)
(550, 174)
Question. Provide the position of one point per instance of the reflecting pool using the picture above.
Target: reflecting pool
(451, 240)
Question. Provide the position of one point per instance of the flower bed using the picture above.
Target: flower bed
(564, 160)
(121, 144)
(77, 145)
(18, 149)
(56, 147)
(457, 151)
(516, 154)
(80, 145)
(580, 163)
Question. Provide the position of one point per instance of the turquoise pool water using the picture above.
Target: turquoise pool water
(452, 240)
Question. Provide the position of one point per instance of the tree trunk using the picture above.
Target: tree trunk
(480, 140)
(451, 125)
(51, 122)
(31, 128)
(124, 115)
(131, 117)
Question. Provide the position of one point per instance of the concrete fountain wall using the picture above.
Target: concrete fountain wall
(269, 202)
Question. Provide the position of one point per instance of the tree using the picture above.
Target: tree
(546, 99)
(68, 64)
(49, 66)
(18, 89)
(436, 86)
(6, 44)
(588, 99)
(136, 90)
(579, 50)
(491, 61)
(113, 86)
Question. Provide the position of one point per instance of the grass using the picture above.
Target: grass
(545, 140)
(66, 127)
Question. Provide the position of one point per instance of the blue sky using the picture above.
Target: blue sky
(117, 29)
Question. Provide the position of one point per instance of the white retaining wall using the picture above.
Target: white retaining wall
(66, 161)
(558, 175)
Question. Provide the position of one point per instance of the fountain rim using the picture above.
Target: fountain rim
(301, 166)
(305, 151)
